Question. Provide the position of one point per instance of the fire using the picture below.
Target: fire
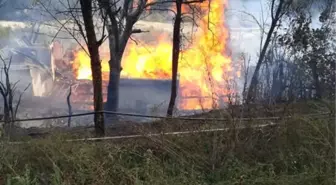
(204, 67)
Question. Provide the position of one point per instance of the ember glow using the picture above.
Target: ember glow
(204, 66)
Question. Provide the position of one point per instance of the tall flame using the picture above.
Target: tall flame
(204, 67)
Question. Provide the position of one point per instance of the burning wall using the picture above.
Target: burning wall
(205, 67)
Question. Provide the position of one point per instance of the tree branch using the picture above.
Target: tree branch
(138, 31)
(59, 22)
(69, 106)
(78, 23)
(19, 101)
(105, 5)
(103, 37)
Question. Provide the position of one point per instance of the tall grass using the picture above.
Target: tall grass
(299, 151)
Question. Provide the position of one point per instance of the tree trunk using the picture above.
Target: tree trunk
(117, 47)
(254, 81)
(93, 46)
(119, 31)
(318, 94)
(176, 53)
(112, 103)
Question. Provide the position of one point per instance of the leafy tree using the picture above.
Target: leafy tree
(303, 40)
(313, 51)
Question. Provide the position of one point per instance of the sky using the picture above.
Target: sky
(245, 32)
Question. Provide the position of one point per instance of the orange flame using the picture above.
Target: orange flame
(204, 68)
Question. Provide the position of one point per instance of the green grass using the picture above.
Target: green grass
(300, 151)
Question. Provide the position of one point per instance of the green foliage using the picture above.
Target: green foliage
(27, 178)
(312, 51)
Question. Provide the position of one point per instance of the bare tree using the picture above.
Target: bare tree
(176, 49)
(8, 91)
(277, 11)
(81, 14)
(69, 106)
(121, 16)
(176, 53)
(93, 47)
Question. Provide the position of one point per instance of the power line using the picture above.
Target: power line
(149, 135)
(159, 117)
(134, 136)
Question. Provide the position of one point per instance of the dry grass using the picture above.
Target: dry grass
(297, 151)
(300, 151)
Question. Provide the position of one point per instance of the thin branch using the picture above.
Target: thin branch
(261, 25)
(136, 42)
(78, 23)
(164, 9)
(19, 101)
(69, 106)
(59, 30)
(125, 9)
(272, 9)
(55, 18)
(139, 31)
(103, 36)
(192, 2)
(7, 75)
(133, 16)
(112, 16)
(173, 1)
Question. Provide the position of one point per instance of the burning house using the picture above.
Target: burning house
(207, 73)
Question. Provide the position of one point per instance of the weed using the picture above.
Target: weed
(298, 151)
